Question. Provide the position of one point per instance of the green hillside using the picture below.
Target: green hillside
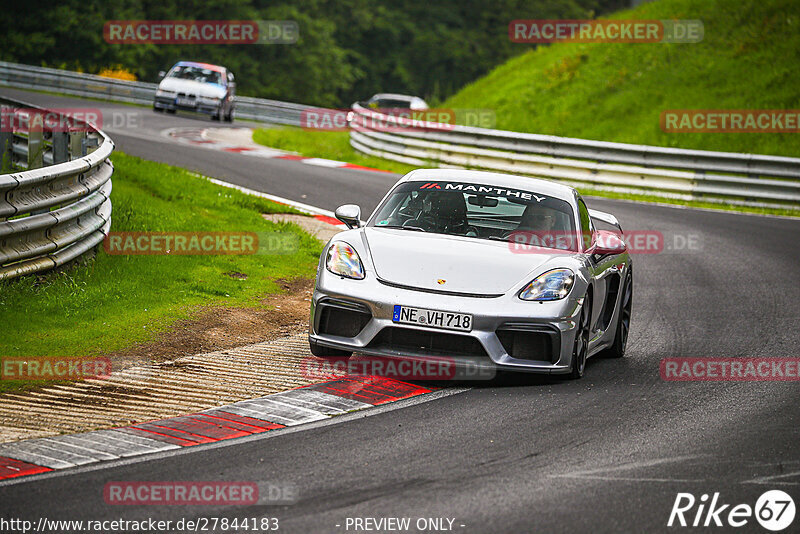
(616, 92)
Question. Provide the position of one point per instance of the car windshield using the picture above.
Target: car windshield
(479, 211)
(390, 103)
(197, 74)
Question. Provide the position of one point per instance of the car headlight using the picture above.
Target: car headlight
(552, 285)
(343, 260)
(210, 99)
(161, 92)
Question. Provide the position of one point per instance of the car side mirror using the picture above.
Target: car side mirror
(161, 74)
(605, 243)
(349, 214)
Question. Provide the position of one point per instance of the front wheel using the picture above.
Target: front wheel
(580, 348)
(321, 351)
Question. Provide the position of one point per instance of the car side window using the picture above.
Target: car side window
(587, 229)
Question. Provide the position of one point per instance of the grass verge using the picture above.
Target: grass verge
(323, 144)
(116, 301)
(617, 91)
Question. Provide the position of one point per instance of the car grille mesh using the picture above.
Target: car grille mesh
(424, 342)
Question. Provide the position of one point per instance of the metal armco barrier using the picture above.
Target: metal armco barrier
(261, 109)
(89, 85)
(58, 207)
(721, 177)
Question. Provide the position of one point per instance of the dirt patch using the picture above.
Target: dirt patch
(220, 328)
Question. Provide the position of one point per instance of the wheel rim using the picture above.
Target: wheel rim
(625, 317)
(582, 341)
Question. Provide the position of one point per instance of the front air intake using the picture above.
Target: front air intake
(529, 344)
(341, 319)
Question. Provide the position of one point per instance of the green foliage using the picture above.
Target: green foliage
(616, 92)
(348, 49)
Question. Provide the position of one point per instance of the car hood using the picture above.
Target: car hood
(192, 87)
(464, 264)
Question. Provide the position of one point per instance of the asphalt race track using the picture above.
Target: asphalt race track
(608, 453)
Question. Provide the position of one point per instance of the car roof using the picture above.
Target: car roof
(525, 183)
(208, 66)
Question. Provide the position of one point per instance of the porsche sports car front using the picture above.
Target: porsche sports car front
(470, 265)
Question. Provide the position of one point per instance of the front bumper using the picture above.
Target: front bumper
(198, 106)
(507, 333)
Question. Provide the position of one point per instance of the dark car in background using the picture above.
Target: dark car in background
(392, 100)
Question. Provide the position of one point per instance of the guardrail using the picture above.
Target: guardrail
(261, 109)
(57, 207)
(90, 85)
(720, 177)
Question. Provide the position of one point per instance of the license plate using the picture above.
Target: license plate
(185, 101)
(432, 318)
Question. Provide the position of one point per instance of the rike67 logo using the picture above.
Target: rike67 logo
(774, 510)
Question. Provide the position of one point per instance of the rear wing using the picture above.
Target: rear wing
(605, 217)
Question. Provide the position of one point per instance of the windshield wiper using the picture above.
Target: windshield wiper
(399, 227)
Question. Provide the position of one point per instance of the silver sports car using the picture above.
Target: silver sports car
(515, 272)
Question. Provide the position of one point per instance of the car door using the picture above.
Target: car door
(599, 269)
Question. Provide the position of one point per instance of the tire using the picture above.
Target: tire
(580, 349)
(171, 111)
(321, 351)
(617, 350)
(158, 110)
(229, 116)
